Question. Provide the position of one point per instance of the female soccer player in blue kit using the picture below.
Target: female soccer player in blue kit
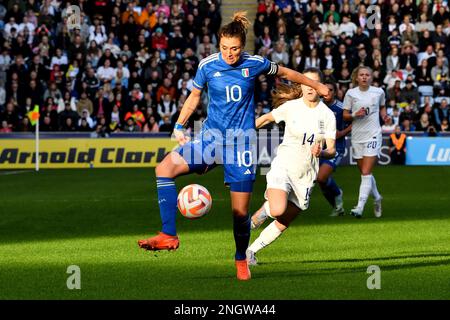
(330, 189)
(230, 77)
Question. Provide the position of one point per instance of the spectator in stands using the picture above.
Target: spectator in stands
(431, 132)
(313, 60)
(205, 47)
(444, 126)
(106, 73)
(423, 74)
(423, 122)
(10, 115)
(439, 75)
(388, 126)
(166, 126)
(331, 25)
(160, 42)
(409, 93)
(64, 115)
(151, 125)
(394, 39)
(166, 88)
(395, 91)
(424, 24)
(5, 128)
(68, 125)
(131, 126)
(396, 116)
(84, 104)
(137, 115)
(347, 26)
(279, 55)
(393, 60)
(86, 116)
(407, 126)
(442, 112)
(408, 57)
(166, 107)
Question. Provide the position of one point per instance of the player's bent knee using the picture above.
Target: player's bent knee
(171, 166)
(277, 210)
(166, 169)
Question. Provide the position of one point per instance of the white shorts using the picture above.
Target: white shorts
(298, 188)
(367, 149)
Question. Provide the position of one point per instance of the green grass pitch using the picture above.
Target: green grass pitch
(93, 219)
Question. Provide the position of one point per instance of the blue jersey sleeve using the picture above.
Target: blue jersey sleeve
(200, 79)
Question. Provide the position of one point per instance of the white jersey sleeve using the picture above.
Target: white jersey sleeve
(280, 113)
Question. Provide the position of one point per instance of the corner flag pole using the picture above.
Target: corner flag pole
(37, 145)
(33, 115)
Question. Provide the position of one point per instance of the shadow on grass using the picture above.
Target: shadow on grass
(344, 269)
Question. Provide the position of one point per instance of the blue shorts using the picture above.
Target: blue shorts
(238, 161)
(334, 162)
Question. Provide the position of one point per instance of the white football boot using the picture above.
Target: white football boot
(251, 258)
(377, 207)
(339, 207)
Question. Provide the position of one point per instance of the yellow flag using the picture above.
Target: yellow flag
(33, 115)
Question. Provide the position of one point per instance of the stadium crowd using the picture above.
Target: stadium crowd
(129, 66)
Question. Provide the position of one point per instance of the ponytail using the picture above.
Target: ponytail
(237, 27)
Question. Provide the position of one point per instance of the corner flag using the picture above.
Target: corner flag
(33, 115)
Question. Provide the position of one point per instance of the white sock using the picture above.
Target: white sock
(375, 192)
(267, 236)
(364, 190)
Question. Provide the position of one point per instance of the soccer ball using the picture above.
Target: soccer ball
(194, 201)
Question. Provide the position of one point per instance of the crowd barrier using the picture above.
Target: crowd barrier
(78, 150)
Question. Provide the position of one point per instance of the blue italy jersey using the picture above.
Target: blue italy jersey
(338, 109)
(231, 90)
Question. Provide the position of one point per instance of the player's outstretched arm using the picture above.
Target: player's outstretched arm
(264, 120)
(189, 107)
(295, 76)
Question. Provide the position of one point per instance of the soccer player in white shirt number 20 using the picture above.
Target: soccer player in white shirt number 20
(293, 172)
(363, 105)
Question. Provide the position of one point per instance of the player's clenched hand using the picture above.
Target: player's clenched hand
(316, 149)
(360, 113)
(180, 137)
(324, 91)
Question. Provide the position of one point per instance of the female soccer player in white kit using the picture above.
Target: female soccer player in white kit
(293, 171)
(363, 105)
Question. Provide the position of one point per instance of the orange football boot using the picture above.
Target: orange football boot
(243, 271)
(160, 242)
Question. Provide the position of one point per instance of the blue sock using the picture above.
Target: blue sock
(327, 194)
(241, 231)
(167, 199)
(334, 189)
(330, 191)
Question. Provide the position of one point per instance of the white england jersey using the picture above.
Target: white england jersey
(366, 128)
(304, 127)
